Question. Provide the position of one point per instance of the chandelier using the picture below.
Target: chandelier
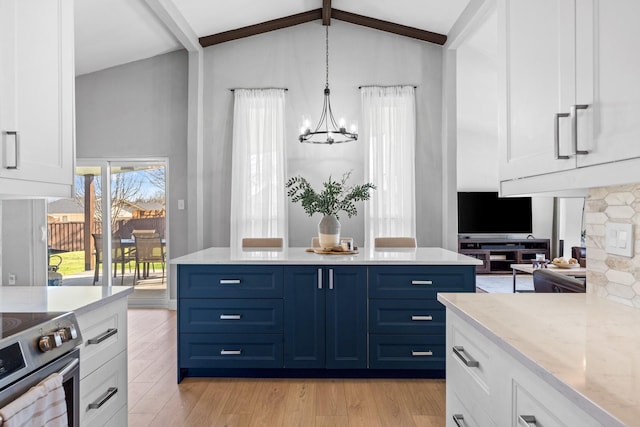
(327, 131)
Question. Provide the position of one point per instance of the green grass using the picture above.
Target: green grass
(73, 262)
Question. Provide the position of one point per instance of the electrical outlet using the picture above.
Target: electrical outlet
(12, 278)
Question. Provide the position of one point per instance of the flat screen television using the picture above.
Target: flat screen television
(486, 213)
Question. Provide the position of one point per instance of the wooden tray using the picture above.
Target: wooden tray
(321, 251)
(565, 265)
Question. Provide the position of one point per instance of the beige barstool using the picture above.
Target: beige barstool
(395, 242)
(262, 242)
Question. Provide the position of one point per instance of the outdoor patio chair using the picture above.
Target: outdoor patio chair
(120, 255)
(149, 250)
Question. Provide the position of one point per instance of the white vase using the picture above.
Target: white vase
(329, 232)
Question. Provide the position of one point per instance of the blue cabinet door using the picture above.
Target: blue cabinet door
(325, 311)
(346, 308)
(304, 317)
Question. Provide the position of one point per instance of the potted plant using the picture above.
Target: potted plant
(336, 196)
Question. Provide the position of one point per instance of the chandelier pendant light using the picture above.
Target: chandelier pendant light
(327, 131)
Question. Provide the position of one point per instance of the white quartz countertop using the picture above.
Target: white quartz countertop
(78, 299)
(585, 346)
(299, 256)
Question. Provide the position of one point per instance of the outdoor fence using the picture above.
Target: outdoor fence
(69, 236)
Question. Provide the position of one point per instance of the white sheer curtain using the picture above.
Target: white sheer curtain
(258, 206)
(389, 135)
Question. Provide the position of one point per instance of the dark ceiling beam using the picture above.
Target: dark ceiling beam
(326, 12)
(264, 27)
(312, 15)
(389, 27)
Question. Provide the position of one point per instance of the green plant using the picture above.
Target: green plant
(336, 196)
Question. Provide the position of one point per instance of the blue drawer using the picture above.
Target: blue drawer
(407, 282)
(230, 351)
(230, 315)
(407, 351)
(406, 317)
(229, 281)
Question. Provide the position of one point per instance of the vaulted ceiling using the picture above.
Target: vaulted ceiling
(115, 32)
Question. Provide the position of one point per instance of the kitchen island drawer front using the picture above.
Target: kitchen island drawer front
(225, 281)
(104, 331)
(407, 352)
(406, 282)
(231, 351)
(231, 315)
(406, 317)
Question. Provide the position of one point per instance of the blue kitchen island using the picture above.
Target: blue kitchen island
(292, 313)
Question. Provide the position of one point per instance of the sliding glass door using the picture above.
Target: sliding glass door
(131, 212)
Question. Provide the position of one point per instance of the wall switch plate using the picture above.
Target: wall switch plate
(180, 204)
(619, 238)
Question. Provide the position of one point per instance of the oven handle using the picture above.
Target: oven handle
(70, 367)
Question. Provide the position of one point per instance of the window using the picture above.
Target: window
(389, 135)
(258, 165)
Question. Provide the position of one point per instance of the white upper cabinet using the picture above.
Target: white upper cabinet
(569, 93)
(607, 70)
(36, 97)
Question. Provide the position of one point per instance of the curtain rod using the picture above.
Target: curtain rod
(249, 88)
(360, 87)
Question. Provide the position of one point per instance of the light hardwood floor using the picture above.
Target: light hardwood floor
(156, 400)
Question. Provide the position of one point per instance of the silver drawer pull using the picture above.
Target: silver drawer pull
(421, 353)
(229, 281)
(319, 278)
(422, 282)
(230, 352)
(16, 163)
(459, 420)
(458, 351)
(111, 391)
(230, 317)
(103, 336)
(527, 420)
(421, 318)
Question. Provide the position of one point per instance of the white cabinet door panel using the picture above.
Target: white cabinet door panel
(607, 42)
(538, 76)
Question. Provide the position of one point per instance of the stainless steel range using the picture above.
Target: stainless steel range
(32, 347)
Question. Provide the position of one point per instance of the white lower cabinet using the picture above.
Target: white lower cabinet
(488, 387)
(103, 365)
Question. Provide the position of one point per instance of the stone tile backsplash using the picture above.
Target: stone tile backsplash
(611, 276)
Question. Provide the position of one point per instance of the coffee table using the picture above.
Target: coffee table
(528, 268)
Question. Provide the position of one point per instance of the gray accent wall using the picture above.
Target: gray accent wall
(139, 110)
(294, 58)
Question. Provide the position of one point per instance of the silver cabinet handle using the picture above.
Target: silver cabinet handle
(422, 282)
(556, 134)
(230, 317)
(331, 278)
(459, 420)
(319, 278)
(103, 336)
(229, 281)
(230, 352)
(527, 420)
(17, 149)
(574, 127)
(421, 318)
(111, 391)
(421, 353)
(459, 351)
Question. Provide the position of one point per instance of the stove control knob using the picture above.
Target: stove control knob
(67, 334)
(49, 342)
(71, 331)
(44, 344)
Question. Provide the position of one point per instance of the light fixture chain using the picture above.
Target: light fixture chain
(327, 52)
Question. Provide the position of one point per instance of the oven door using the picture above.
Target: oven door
(69, 367)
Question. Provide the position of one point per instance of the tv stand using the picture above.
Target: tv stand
(497, 254)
